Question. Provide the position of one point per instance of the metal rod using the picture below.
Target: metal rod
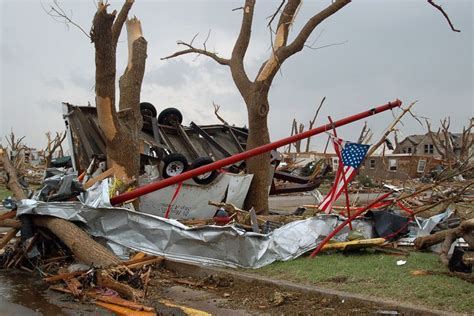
(247, 154)
(348, 221)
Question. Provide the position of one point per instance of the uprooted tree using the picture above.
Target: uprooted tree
(255, 93)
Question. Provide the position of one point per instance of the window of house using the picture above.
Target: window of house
(409, 150)
(429, 149)
(392, 164)
(335, 163)
(372, 163)
(421, 166)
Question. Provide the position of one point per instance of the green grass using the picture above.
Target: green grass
(4, 192)
(377, 275)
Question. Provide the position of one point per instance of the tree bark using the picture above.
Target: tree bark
(84, 248)
(121, 130)
(465, 228)
(79, 242)
(12, 178)
(257, 197)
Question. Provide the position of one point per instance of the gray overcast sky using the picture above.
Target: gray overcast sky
(395, 49)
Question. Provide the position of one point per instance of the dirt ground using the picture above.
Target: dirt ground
(225, 296)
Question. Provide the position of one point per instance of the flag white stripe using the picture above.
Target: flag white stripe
(326, 204)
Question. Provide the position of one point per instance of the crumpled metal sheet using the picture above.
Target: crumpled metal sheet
(213, 245)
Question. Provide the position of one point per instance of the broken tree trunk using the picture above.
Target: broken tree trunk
(79, 242)
(84, 248)
(12, 177)
(465, 228)
(121, 129)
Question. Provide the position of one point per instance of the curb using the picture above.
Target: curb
(199, 271)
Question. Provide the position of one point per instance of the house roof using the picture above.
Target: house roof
(415, 139)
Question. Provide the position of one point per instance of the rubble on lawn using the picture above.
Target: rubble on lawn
(71, 233)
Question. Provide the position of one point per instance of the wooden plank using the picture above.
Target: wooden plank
(8, 215)
(119, 301)
(10, 223)
(107, 173)
(123, 311)
(185, 309)
(364, 243)
(141, 264)
(63, 276)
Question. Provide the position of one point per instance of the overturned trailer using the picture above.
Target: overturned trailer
(175, 148)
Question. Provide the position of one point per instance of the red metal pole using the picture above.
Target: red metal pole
(347, 221)
(247, 154)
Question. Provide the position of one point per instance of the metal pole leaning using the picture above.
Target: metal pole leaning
(247, 154)
(347, 221)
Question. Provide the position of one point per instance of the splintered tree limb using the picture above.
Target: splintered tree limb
(133, 75)
(300, 40)
(216, 112)
(465, 228)
(286, 19)
(105, 280)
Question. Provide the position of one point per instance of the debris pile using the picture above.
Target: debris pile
(74, 235)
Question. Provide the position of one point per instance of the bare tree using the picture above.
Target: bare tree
(16, 150)
(121, 129)
(255, 92)
(52, 146)
(467, 141)
(444, 143)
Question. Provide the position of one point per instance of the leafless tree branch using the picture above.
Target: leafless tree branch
(120, 20)
(445, 15)
(58, 14)
(193, 50)
(216, 112)
(311, 123)
(328, 45)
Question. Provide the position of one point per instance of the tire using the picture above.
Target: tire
(170, 116)
(147, 125)
(174, 164)
(208, 177)
(148, 109)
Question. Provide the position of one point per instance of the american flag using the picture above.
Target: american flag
(352, 155)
